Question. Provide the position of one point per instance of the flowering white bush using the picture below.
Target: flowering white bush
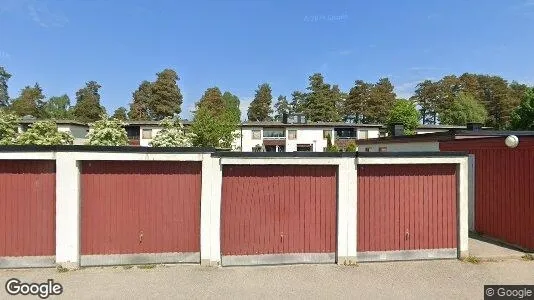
(9, 124)
(107, 132)
(172, 135)
(44, 133)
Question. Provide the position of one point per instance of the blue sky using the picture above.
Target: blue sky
(238, 44)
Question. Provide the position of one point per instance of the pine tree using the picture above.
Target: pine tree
(88, 108)
(120, 114)
(141, 99)
(297, 102)
(232, 103)
(357, 99)
(320, 103)
(381, 101)
(4, 96)
(281, 107)
(260, 107)
(166, 97)
(30, 102)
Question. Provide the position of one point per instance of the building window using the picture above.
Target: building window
(256, 134)
(292, 134)
(367, 149)
(304, 148)
(363, 134)
(147, 134)
(274, 133)
(382, 149)
(327, 133)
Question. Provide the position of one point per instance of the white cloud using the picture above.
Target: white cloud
(41, 14)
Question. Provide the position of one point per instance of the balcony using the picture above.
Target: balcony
(274, 134)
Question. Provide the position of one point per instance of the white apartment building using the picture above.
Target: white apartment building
(77, 129)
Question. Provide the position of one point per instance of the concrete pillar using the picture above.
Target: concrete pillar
(463, 208)
(472, 192)
(347, 204)
(210, 213)
(67, 211)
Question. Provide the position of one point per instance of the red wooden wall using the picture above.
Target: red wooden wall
(504, 188)
(406, 207)
(27, 208)
(270, 209)
(140, 207)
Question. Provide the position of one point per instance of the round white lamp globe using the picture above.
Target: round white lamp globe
(511, 141)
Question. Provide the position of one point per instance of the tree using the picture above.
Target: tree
(495, 99)
(88, 108)
(427, 95)
(172, 134)
(214, 125)
(166, 98)
(260, 107)
(381, 101)
(231, 102)
(357, 99)
(107, 132)
(523, 115)
(120, 114)
(57, 108)
(281, 107)
(464, 109)
(29, 102)
(44, 133)
(405, 113)
(142, 97)
(329, 146)
(4, 96)
(351, 147)
(9, 125)
(320, 101)
(297, 102)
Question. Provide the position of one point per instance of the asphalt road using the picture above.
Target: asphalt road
(445, 279)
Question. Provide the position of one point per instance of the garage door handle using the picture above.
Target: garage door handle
(141, 237)
(407, 235)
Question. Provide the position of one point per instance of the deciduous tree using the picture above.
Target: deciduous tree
(231, 102)
(523, 115)
(214, 125)
(464, 109)
(405, 113)
(260, 107)
(57, 108)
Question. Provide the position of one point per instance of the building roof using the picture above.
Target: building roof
(65, 122)
(443, 136)
(152, 123)
(309, 124)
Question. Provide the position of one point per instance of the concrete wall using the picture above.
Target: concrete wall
(146, 142)
(402, 147)
(68, 194)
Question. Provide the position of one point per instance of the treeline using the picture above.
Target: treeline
(453, 100)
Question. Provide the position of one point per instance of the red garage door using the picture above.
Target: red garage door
(140, 212)
(406, 212)
(27, 213)
(278, 214)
